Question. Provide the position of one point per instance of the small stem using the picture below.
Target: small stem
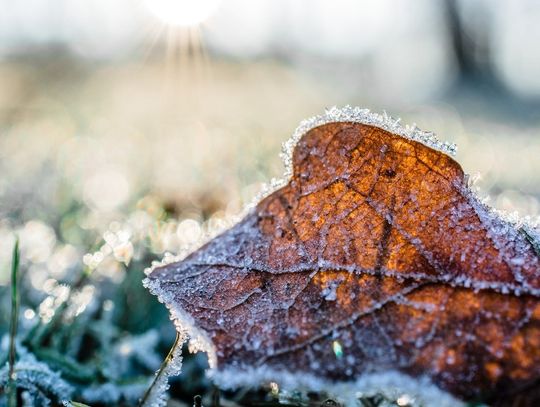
(161, 371)
(12, 388)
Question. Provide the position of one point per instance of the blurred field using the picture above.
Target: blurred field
(102, 137)
(134, 155)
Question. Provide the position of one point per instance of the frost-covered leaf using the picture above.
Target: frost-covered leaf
(375, 257)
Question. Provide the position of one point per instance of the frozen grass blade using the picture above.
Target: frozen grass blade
(75, 404)
(159, 384)
(12, 388)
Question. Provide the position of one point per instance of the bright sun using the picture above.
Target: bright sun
(182, 13)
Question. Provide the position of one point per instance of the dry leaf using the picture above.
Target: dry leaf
(374, 257)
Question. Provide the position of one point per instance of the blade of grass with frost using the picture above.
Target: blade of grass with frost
(12, 388)
(156, 394)
(75, 404)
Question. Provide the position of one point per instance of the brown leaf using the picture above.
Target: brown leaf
(375, 256)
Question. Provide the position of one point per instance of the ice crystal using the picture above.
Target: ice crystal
(41, 385)
(364, 116)
(184, 323)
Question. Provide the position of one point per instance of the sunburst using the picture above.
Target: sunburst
(177, 24)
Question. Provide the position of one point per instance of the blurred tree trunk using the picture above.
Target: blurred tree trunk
(471, 46)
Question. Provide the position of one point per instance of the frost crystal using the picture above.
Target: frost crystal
(184, 323)
(349, 114)
(363, 116)
(42, 385)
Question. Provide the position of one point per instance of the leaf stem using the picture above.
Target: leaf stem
(12, 388)
(177, 342)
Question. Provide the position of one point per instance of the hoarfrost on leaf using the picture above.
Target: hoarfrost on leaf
(375, 242)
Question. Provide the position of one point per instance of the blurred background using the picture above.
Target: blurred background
(129, 128)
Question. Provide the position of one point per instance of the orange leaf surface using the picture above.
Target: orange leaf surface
(374, 257)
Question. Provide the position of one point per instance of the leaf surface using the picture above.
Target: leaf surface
(375, 256)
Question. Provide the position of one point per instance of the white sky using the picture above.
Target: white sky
(386, 32)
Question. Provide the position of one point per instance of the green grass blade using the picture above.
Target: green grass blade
(12, 388)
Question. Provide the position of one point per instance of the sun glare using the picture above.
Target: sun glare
(182, 13)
